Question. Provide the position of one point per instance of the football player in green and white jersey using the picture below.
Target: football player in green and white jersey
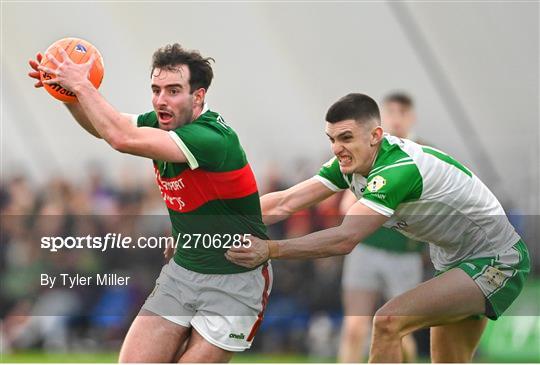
(385, 264)
(203, 308)
(428, 196)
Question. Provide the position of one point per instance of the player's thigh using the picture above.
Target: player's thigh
(447, 298)
(200, 350)
(456, 342)
(152, 338)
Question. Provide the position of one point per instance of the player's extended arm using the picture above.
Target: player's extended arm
(279, 205)
(359, 222)
(119, 132)
(115, 128)
(78, 114)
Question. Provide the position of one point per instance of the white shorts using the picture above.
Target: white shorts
(225, 309)
(389, 273)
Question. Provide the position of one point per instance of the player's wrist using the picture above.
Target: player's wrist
(82, 86)
(273, 250)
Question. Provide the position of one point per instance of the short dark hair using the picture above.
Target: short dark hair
(401, 98)
(355, 106)
(171, 56)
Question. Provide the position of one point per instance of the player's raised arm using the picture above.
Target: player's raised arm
(279, 205)
(114, 127)
(78, 114)
(74, 107)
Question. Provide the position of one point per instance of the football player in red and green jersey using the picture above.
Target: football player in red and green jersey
(200, 299)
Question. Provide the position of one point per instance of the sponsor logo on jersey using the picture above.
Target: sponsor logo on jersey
(191, 189)
(237, 336)
(80, 48)
(376, 183)
(379, 195)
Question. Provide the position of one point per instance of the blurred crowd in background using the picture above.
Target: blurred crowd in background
(303, 316)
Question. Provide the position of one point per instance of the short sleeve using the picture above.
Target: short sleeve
(330, 175)
(392, 185)
(202, 144)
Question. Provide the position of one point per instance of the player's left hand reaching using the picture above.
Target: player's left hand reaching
(249, 255)
(34, 64)
(68, 74)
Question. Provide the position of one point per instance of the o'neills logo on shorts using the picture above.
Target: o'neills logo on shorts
(237, 336)
(192, 188)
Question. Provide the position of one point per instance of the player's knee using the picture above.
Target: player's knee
(385, 325)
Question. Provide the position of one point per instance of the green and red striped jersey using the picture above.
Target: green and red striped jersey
(212, 197)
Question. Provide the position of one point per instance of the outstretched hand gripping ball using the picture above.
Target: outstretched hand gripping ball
(79, 51)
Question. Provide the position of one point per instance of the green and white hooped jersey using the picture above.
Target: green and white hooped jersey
(429, 197)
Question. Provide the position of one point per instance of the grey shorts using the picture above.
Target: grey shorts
(225, 309)
(389, 273)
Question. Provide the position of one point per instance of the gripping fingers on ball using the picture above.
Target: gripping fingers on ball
(47, 70)
(65, 56)
(53, 59)
(35, 75)
(51, 81)
(34, 64)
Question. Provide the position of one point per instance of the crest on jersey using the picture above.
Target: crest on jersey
(80, 48)
(376, 183)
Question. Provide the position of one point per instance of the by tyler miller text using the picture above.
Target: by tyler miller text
(77, 280)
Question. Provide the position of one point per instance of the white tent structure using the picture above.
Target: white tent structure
(472, 67)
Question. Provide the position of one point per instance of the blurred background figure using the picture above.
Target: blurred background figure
(386, 264)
